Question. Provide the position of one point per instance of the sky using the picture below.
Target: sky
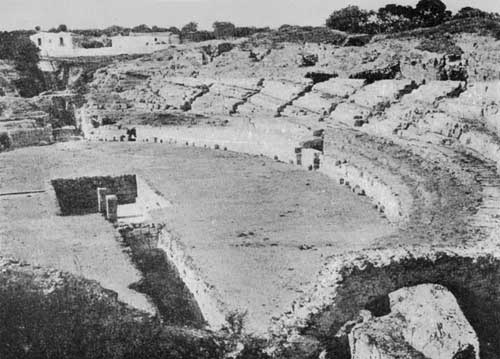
(84, 14)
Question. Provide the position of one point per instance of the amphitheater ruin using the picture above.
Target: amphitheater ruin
(295, 195)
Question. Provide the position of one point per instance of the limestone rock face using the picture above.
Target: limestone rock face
(425, 322)
(380, 339)
(434, 323)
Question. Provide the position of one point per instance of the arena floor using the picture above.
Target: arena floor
(256, 229)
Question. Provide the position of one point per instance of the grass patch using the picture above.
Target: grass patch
(163, 284)
(441, 44)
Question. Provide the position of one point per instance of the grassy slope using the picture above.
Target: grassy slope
(79, 319)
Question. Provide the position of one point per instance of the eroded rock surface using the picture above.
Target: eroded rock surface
(425, 322)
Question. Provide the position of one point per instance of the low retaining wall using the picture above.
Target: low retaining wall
(207, 298)
(269, 137)
(79, 195)
(162, 281)
(65, 133)
(30, 136)
(146, 238)
(387, 200)
(36, 136)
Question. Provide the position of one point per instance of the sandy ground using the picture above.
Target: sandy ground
(256, 229)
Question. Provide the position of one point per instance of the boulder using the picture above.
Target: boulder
(380, 339)
(434, 323)
(306, 59)
(425, 322)
(391, 71)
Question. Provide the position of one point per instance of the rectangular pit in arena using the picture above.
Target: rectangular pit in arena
(78, 196)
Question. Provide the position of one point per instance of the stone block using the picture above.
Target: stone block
(102, 192)
(434, 322)
(112, 208)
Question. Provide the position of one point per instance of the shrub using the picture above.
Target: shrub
(81, 320)
(253, 349)
(92, 44)
(62, 28)
(432, 12)
(236, 322)
(223, 30)
(5, 141)
(349, 19)
(440, 44)
(470, 12)
(17, 47)
(300, 34)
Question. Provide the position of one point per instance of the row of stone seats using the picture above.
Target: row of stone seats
(369, 100)
(226, 95)
(323, 98)
(273, 97)
(416, 111)
(465, 116)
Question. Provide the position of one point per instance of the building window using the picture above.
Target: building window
(61, 41)
(39, 42)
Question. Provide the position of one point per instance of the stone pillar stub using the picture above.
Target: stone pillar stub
(298, 155)
(102, 192)
(112, 208)
(316, 161)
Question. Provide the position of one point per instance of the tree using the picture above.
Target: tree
(246, 31)
(432, 12)
(393, 18)
(114, 30)
(141, 28)
(159, 29)
(470, 12)
(62, 28)
(24, 53)
(223, 30)
(397, 10)
(190, 27)
(350, 19)
(38, 28)
(285, 27)
(174, 30)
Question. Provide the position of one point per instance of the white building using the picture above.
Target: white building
(54, 43)
(67, 44)
(144, 40)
